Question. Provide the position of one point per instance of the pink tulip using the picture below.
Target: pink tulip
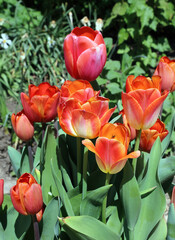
(84, 53)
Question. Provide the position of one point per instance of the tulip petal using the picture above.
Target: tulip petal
(89, 144)
(110, 151)
(30, 109)
(85, 124)
(1, 191)
(107, 115)
(132, 110)
(152, 111)
(91, 62)
(33, 200)
(16, 201)
(50, 110)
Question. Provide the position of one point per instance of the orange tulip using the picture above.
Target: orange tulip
(84, 112)
(22, 126)
(166, 70)
(41, 105)
(84, 53)
(131, 130)
(149, 136)
(111, 148)
(142, 101)
(26, 195)
(1, 191)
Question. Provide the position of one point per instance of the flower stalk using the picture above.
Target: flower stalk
(134, 162)
(108, 177)
(84, 180)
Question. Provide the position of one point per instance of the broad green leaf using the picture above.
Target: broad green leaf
(109, 44)
(119, 8)
(160, 232)
(112, 65)
(114, 88)
(87, 228)
(152, 204)
(24, 165)
(15, 158)
(17, 224)
(166, 168)
(130, 196)
(91, 205)
(62, 193)
(114, 222)
(171, 223)
(48, 183)
(49, 219)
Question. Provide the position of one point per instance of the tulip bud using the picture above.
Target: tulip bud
(26, 195)
(22, 126)
(84, 53)
(1, 191)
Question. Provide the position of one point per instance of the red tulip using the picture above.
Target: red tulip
(82, 113)
(166, 70)
(149, 136)
(84, 53)
(41, 105)
(142, 101)
(111, 148)
(1, 191)
(22, 126)
(26, 195)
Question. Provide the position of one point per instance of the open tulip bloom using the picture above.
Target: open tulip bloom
(84, 53)
(142, 101)
(41, 104)
(84, 112)
(111, 148)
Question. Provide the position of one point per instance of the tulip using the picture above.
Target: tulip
(39, 215)
(26, 195)
(1, 191)
(22, 126)
(131, 130)
(83, 112)
(149, 136)
(41, 104)
(142, 101)
(166, 70)
(84, 53)
(111, 148)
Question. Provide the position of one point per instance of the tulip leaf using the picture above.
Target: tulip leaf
(91, 205)
(171, 223)
(15, 158)
(48, 183)
(87, 228)
(75, 202)
(152, 204)
(166, 168)
(24, 164)
(114, 222)
(49, 219)
(17, 224)
(130, 196)
(160, 231)
(170, 128)
(62, 193)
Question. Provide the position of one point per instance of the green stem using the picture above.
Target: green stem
(30, 157)
(134, 162)
(84, 182)
(108, 177)
(78, 160)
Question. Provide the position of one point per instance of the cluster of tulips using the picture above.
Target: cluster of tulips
(83, 113)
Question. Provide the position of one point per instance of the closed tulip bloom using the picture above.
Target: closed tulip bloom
(1, 191)
(142, 101)
(84, 112)
(166, 70)
(84, 53)
(149, 136)
(22, 126)
(41, 104)
(26, 195)
(111, 148)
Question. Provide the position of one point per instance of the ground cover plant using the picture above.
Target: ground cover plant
(97, 132)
